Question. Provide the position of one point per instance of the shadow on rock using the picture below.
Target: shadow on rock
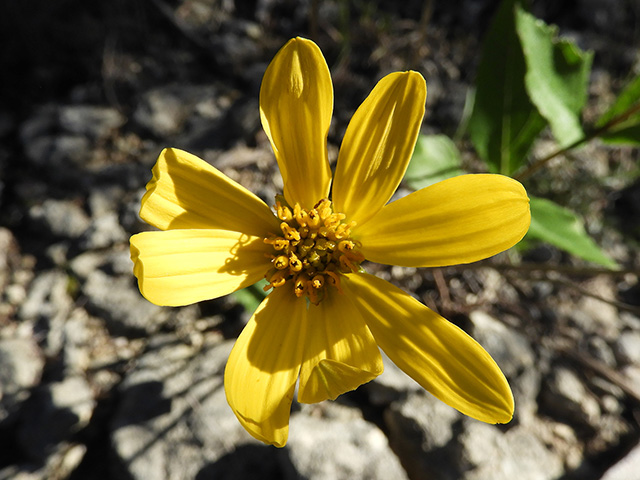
(249, 461)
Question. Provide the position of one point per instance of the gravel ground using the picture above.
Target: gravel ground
(97, 383)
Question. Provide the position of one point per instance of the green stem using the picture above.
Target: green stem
(539, 163)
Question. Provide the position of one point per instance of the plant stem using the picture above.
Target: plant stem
(539, 163)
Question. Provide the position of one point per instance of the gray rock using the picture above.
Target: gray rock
(627, 348)
(421, 429)
(486, 453)
(63, 218)
(105, 200)
(601, 350)
(103, 231)
(9, 257)
(510, 349)
(392, 384)
(338, 444)
(57, 136)
(47, 306)
(165, 110)
(632, 374)
(626, 468)
(22, 363)
(12, 291)
(595, 316)
(85, 263)
(59, 465)
(90, 121)
(565, 397)
(172, 420)
(57, 153)
(119, 303)
(116, 261)
(53, 414)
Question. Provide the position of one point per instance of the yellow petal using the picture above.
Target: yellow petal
(459, 220)
(340, 354)
(263, 366)
(187, 192)
(434, 352)
(378, 144)
(179, 267)
(296, 103)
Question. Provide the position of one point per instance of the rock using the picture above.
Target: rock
(486, 452)
(392, 384)
(565, 397)
(63, 218)
(357, 449)
(22, 363)
(91, 121)
(103, 231)
(421, 429)
(9, 257)
(186, 424)
(595, 316)
(59, 465)
(85, 263)
(57, 153)
(119, 303)
(54, 413)
(16, 273)
(104, 200)
(627, 348)
(239, 46)
(248, 461)
(626, 468)
(510, 349)
(601, 350)
(58, 136)
(115, 261)
(164, 111)
(12, 290)
(47, 306)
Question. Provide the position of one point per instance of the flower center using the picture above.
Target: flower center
(312, 251)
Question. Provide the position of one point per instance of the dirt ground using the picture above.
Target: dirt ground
(96, 383)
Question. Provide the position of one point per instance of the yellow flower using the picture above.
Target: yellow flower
(324, 318)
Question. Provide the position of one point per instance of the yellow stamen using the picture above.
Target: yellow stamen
(278, 243)
(317, 282)
(276, 280)
(300, 286)
(295, 265)
(284, 213)
(314, 250)
(281, 262)
(289, 233)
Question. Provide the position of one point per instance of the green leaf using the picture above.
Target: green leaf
(628, 130)
(504, 122)
(557, 76)
(434, 159)
(252, 296)
(558, 226)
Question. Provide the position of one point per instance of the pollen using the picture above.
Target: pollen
(312, 250)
